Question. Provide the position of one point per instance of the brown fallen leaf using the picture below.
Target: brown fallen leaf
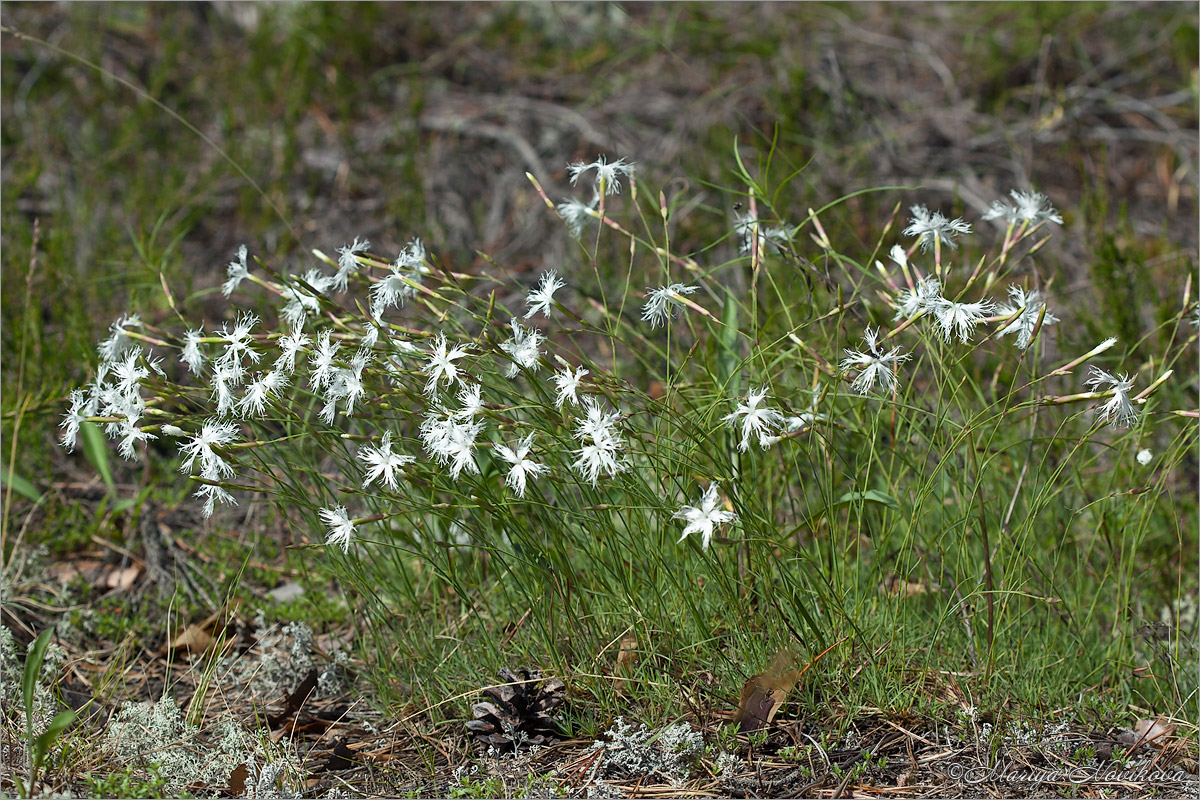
(1153, 731)
(237, 780)
(626, 655)
(764, 694)
(295, 700)
(894, 585)
(192, 641)
(198, 637)
(96, 573)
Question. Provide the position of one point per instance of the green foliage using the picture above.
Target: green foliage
(38, 745)
(130, 782)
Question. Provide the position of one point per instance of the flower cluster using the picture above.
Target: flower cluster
(344, 376)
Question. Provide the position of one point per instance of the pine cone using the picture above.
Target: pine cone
(518, 714)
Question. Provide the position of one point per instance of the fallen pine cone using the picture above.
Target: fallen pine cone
(519, 711)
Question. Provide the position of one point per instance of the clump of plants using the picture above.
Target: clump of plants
(764, 438)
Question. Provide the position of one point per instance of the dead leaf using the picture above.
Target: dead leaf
(1153, 731)
(237, 780)
(122, 579)
(198, 637)
(764, 694)
(342, 758)
(296, 699)
(96, 573)
(626, 655)
(894, 585)
(193, 640)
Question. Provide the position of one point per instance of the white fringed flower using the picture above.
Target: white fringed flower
(876, 367)
(960, 319)
(661, 303)
(523, 349)
(755, 420)
(1030, 305)
(348, 262)
(441, 367)
(575, 214)
(383, 463)
(932, 227)
(566, 383)
(925, 297)
(705, 517)
(1031, 207)
(192, 355)
(1119, 410)
(237, 272)
(341, 527)
(542, 298)
(608, 174)
(522, 468)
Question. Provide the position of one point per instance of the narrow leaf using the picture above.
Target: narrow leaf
(869, 496)
(33, 667)
(728, 372)
(42, 743)
(21, 486)
(97, 453)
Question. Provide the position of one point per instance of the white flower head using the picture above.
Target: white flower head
(601, 442)
(608, 175)
(876, 367)
(253, 403)
(192, 355)
(522, 348)
(705, 517)
(441, 366)
(345, 384)
(408, 271)
(383, 463)
(960, 319)
(341, 527)
(129, 372)
(348, 262)
(1119, 410)
(925, 297)
(594, 459)
(118, 340)
(471, 401)
(542, 298)
(224, 379)
(290, 346)
(779, 237)
(213, 433)
(211, 493)
(575, 214)
(75, 416)
(237, 272)
(1144, 457)
(1030, 305)
(450, 441)
(238, 342)
(131, 434)
(523, 468)
(302, 303)
(661, 303)
(1031, 207)
(755, 420)
(566, 383)
(932, 226)
(321, 361)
